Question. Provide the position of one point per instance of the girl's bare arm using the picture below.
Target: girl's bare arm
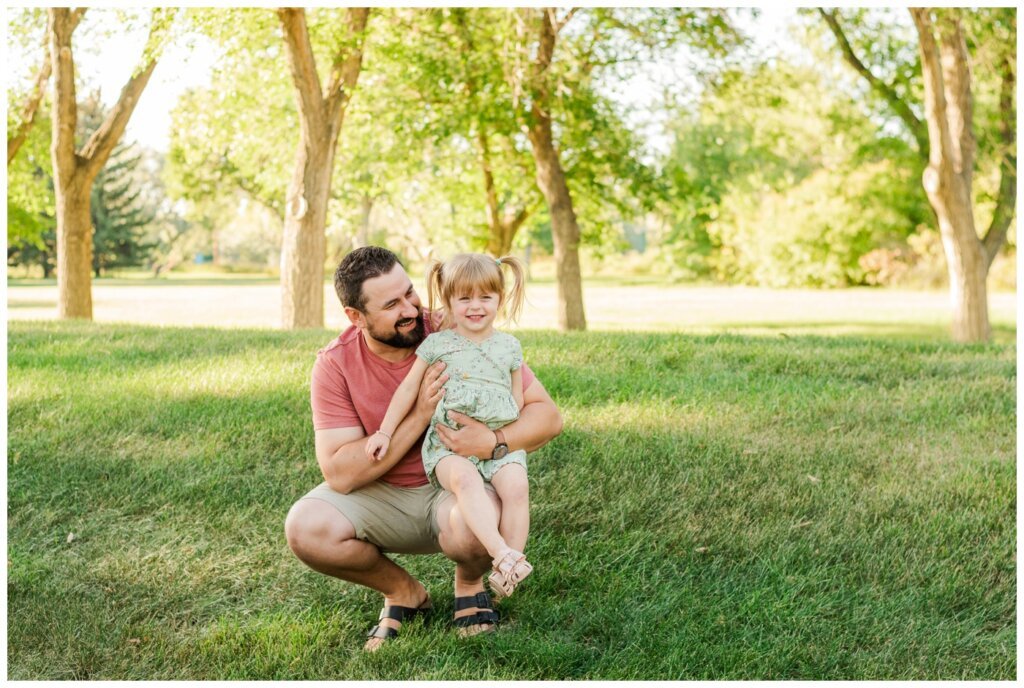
(404, 398)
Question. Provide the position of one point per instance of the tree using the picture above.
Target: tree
(76, 170)
(776, 179)
(549, 89)
(19, 129)
(947, 141)
(445, 97)
(546, 26)
(321, 114)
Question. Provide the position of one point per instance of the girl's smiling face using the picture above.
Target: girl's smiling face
(474, 313)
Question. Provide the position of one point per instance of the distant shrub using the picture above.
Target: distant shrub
(812, 234)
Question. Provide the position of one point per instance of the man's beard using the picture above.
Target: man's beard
(398, 340)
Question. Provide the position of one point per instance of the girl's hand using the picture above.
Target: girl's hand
(377, 446)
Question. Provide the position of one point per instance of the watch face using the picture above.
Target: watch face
(500, 451)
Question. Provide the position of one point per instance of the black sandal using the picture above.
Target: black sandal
(486, 615)
(399, 614)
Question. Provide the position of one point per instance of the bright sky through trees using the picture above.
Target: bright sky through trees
(183, 67)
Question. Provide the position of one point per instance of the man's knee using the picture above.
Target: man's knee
(457, 540)
(311, 524)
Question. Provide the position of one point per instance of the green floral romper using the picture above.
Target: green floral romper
(479, 385)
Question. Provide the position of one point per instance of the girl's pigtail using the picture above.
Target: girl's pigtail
(435, 293)
(516, 294)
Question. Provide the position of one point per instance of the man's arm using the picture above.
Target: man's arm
(341, 452)
(539, 422)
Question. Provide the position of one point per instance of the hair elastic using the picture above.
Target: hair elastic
(497, 261)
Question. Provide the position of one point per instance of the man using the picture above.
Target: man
(364, 508)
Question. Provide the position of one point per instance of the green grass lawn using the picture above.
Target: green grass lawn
(718, 507)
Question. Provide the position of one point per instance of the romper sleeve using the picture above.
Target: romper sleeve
(517, 353)
(430, 349)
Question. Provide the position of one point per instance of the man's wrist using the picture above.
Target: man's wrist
(500, 450)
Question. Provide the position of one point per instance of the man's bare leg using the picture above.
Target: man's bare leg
(323, 539)
(471, 559)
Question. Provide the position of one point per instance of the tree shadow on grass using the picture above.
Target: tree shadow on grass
(674, 539)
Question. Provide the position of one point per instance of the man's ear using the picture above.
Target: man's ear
(356, 317)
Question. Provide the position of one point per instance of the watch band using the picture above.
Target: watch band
(500, 450)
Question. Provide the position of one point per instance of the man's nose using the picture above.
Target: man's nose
(408, 309)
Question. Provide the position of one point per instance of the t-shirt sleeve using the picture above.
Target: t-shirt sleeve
(330, 399)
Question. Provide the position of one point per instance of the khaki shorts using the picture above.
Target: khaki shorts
(396, 519)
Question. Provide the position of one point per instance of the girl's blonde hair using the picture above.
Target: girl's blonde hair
(466, 273)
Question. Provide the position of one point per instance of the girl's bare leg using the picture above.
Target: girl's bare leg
(513, 488)
(458, 475)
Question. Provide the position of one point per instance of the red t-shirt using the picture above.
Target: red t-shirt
(352, 386)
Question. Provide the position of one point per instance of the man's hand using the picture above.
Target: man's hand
(472, 439)
(431, 390)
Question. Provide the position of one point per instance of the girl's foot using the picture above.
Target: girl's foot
(510, 568)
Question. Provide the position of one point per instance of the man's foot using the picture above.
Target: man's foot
(393, 615)
(474, 614)
(510, 568)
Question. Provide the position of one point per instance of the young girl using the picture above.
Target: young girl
(485, 382)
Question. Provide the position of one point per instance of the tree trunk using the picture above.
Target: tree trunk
(551, 180)
(564, 229)
(74, 254)
(74, 172)
(1006, 199)
(502, 223)
(499, 243)
(947, 178)
(303, 248)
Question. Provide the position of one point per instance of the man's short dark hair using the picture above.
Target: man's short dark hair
(357, 267)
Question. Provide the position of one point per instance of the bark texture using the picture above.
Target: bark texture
(551, 179)
(74, 171)
(947, 178)
(321, 114)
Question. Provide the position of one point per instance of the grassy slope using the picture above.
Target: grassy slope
(717, 507)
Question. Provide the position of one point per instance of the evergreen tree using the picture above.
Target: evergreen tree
(118, 211)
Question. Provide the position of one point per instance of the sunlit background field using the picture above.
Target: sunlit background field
(228, 301)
